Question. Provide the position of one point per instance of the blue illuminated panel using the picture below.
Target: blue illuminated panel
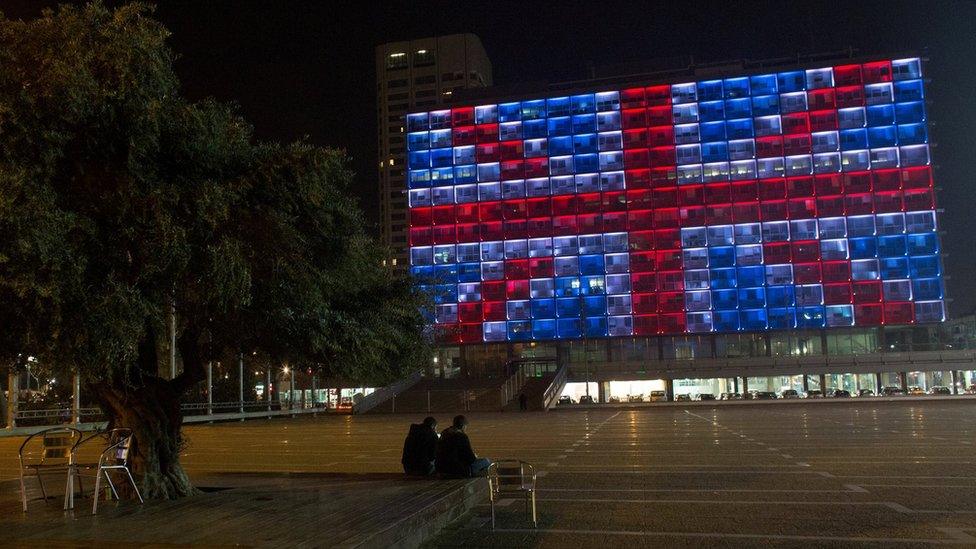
(801, 199)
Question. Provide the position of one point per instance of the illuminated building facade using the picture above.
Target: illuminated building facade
(790, 200)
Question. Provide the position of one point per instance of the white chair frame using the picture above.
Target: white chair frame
(55, 457)
(503, 480)
(115, 457)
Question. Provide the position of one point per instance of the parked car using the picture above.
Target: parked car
(586, 399)
(565, 399)
(735, 396)
(765, 395)
(682, 398)
(915, 391)
(940, 390)
(748, 395)
(814, 394)
(865, 393)
(614, 399)
(635, 398)
(656, 396)
(971, 390)
(706, 396)
(892, 391)
(789, 393)
(841, 393)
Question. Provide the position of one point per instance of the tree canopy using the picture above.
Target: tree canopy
(120, 199)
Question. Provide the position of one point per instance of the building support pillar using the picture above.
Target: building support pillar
(669, 390)
(745, 385)
(823, 384)
(955, 382)
(735, 384)
(903, 378)
(601, 392)
(806, 383)
(877, 383)
(291, 389)
(315, 390)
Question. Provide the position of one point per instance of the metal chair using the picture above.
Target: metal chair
(512, 477)
(115, 457)
(47, 451)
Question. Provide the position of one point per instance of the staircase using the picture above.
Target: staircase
(447, 395)
(535, 390)
(542, 386)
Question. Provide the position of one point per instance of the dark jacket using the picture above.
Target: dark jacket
(419, 449)
(454, 453)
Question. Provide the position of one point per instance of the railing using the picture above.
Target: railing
(555, 387)
(383, 394)
(53, 416)
(512, 386)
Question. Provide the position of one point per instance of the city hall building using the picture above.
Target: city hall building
(712, 229)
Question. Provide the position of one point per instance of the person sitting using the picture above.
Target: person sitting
(419, 448)
(455, 458)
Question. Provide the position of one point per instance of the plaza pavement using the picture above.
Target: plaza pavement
(805, 474)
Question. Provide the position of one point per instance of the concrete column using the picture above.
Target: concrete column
(735, 384)
(315, 388)
(601, 389)
(955, 382)
(240, 383)
(669, 390)
(857, 383)
(209, 388)
(806, 383)
(76, 399)
(291, 389)
(13, 390)
(745, 385)
(877, 383)
(823, 384)
(903, 377)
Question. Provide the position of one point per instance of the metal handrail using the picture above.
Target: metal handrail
(383, 394)
(56, 412)
(552, 391)
(512, 385)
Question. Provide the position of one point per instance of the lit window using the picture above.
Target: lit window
(423, 58)
(396, 60)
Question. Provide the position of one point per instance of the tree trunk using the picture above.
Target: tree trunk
(153, 413)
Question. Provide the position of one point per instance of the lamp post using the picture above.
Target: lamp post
(209, 388)
(76, 398)
(240, 383)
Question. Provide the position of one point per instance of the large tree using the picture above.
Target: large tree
(120, 200)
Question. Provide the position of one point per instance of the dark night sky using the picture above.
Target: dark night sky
(306, 68)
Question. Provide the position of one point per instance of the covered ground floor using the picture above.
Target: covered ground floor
(646, 390)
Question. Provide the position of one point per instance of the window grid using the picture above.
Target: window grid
(799, 199)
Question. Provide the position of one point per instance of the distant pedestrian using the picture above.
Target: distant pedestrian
(523, 402)
(455, 458)
(420, 448)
